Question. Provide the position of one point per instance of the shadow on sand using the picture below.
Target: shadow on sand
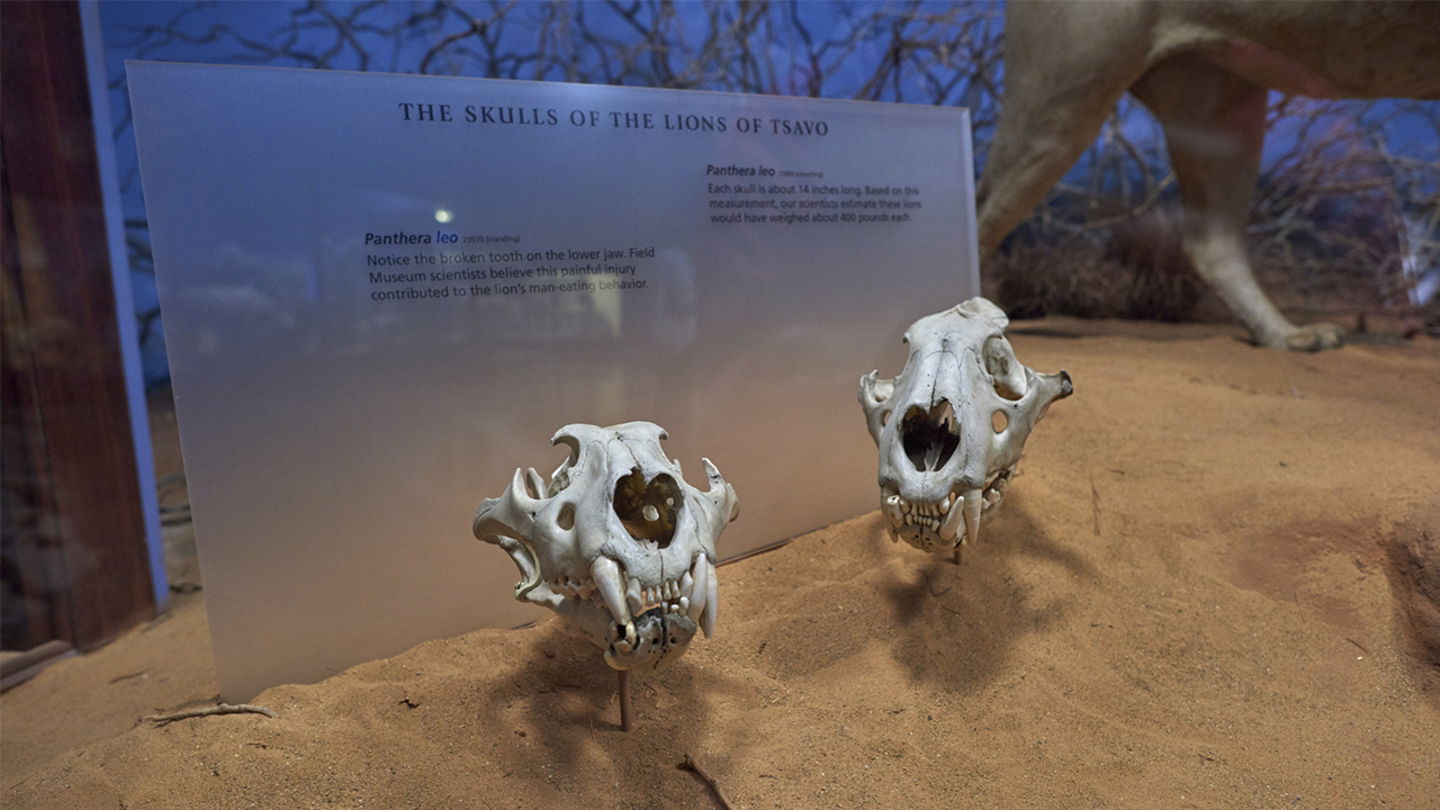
(955, 626)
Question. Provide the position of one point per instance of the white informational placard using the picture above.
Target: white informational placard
(384, 293)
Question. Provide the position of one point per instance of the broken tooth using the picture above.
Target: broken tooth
(971, 510)
(606, 574)
(650, 512)
(634, 597)
(630, 635)
(892, 511)
(945, 505)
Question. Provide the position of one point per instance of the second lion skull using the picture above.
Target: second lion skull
(950, 428)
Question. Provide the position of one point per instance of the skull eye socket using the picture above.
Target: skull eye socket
(930, 437)
(648, 509)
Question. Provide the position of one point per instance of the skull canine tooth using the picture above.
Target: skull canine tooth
(892, 511)
(951, 524)
(712, 601)
(701, 591)
(971, 510)
(606, 573)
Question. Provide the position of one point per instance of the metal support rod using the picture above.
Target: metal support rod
(623, 686)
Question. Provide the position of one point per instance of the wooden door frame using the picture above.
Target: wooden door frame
(77, 562)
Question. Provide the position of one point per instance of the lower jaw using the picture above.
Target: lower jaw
(924, 539)
(921, 527)
(663, 636)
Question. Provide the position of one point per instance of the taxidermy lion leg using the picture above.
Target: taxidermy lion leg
(1202, 68)
(1215, 127)
(1055, 102)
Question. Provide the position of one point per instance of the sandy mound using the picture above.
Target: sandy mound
(1207, 590)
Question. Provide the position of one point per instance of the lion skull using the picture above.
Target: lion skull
(951, 427)
(616, 543)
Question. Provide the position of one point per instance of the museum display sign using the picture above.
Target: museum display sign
(381, 290)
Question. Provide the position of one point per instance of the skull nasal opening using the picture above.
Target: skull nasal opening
(930, 437)
(648, 509)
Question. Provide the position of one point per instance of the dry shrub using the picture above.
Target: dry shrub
(1343, 261)
(1135, 269)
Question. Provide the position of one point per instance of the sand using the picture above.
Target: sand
(1204, 591)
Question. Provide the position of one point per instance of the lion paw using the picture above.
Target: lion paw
(1314, 337)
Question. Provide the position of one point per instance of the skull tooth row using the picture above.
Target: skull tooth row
(941, 517)
(694, 595)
